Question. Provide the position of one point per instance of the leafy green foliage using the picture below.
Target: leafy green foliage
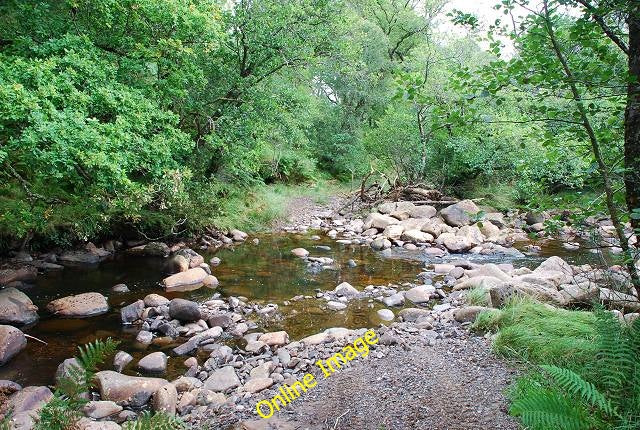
(145, 118)
(478, 296)
(597, 385)
(156, 421)
(64, 409)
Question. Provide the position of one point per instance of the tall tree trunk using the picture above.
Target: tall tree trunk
(603, 169)
(632, 116)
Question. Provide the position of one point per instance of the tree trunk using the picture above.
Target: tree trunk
(632, 117)
(603, 169)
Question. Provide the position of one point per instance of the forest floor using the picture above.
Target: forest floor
(449, 380)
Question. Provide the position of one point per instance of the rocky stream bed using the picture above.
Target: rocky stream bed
(210, 327)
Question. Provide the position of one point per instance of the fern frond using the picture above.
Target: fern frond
(615, 360)
(60, 413)
(575, 385)
(157, 421)
(634, 379)
(64, 410)
(95, 353)
(544, 410)
(4, 423)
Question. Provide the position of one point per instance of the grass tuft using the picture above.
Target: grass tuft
(532, 331)
(478, 296)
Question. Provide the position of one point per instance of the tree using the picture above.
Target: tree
(561, 58)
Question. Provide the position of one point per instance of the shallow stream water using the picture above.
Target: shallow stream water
(264, 272)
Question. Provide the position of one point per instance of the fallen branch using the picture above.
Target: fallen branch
(35, 338)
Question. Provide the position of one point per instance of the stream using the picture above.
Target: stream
(264, 272)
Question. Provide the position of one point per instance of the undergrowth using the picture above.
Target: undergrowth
(477, 296)
(531, 331)
(257, 209)
(583, 367)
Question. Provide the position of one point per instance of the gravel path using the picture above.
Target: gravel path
(456, 384)
(303, 209)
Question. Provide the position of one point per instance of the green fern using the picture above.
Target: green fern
(157, 421)
(4, 422)
(60, 413)
(573, 384)
(79, 378)
(64, 409)
(603, 394)
(546, 409)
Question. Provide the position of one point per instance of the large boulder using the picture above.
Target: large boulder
(459, 214)
(436, 227)
(489, 269)
(23, 274)
(152, 249)
(16, 307)
(413, 314)
(88, 424)
(500, 294)
(380, 244)
(153, 300)
(416, 236)
(238, 236)
(194, 259)
(156, 362)
(205, 336)
(184, 310)
(84, 257)
(420, 294)
(482, 281)
(379, 221)
(255, 385)
(178, 263)
(222, 379)
(554, 271)
(276, 338)
(393, 231)
(454, 243)
(393, 207)
(468, 313)
(191, 279)
(489, 229)
(424, 211)
(532, 218)
(99, 409)
(165, 399)
(12, 341)
(346, 289)
(69, 369)
(472, 234)
(121, 388)
(300, 252)
(132, 312)
(24, 406)
(584, 292)
(617, 299)
(78, 306)
(413, 223)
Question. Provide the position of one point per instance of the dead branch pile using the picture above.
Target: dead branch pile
(375, 189)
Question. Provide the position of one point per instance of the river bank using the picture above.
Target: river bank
(285, 299)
